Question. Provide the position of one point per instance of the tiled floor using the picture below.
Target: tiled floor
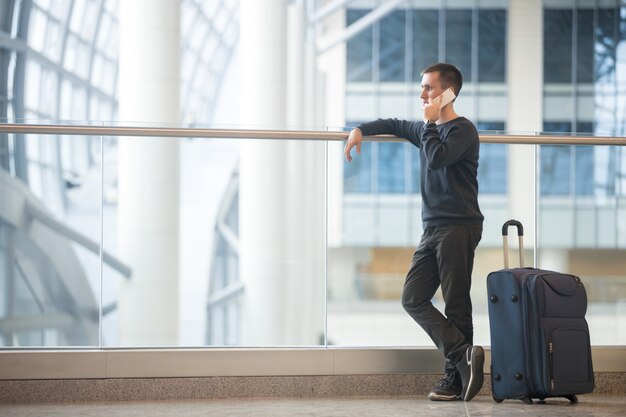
(589, 405)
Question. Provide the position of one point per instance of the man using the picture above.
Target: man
(452, 223)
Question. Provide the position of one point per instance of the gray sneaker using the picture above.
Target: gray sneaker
(471, 370)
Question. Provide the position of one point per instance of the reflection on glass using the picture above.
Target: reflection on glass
(379, 232)
(251, 246)
(49, 241)
(582, 228)
(583, 56)
(228, 251)
(242, 262)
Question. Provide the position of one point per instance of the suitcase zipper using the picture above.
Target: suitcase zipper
(527, 338)
(551, 349)
(546, 384)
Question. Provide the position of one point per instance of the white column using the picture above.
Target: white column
(296, 29)
(305, 191)
(148, 172)
(263, 208)
(525, 109)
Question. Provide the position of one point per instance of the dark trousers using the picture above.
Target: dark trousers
(445, 256)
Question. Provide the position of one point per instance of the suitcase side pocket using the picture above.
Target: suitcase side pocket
(569, 368)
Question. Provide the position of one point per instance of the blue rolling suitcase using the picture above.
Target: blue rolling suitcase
(540, 344)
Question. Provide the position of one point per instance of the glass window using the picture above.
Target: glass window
(459, 40)
(608, 89)
(359, 50)
(584, 170)
(492, 169)
(49, 84)
(392, 46)
(37, 29)
(110, 76)
(59, 9)
(557, 165)
(90, 21)
(104, 35)
(232, 218)
(492, 45)
(391, 167)
(414, 152)
(557, 44)
(358, 173)
(584, 46)
(82, 60)
(584, 127)
(32, 87)
(492, 165)
(220, 265)
(555, 162)
(555, 170)
(78, 15)
(53, 41)
(606, 32)
(97, 72)
(71, 52)
(425, 32)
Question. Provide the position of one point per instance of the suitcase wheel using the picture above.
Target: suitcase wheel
(496, 399)
(527, 400)
(572, 398)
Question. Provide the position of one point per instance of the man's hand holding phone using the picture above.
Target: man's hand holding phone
(432, 110)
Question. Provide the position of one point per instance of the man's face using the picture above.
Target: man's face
(431, 86)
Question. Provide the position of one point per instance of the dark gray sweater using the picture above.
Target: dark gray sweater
(449, 167)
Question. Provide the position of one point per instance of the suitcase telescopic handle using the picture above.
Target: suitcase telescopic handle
(505, 241)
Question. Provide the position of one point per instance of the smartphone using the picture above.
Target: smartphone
(446, 97)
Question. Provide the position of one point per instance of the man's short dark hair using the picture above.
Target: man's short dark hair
(449, 75)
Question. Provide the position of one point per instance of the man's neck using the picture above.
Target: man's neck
(447, 114)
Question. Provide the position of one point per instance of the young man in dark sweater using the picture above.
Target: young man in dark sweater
(452, 224)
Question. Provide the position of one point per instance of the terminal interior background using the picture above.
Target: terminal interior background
(279, 242)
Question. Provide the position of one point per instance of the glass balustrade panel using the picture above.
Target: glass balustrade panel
(582, 228)
(375, 226)
(50, 188)
(224, 239)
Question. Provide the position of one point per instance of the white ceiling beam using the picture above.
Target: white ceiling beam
(363, 23)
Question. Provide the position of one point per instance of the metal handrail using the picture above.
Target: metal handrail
(86, 130)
